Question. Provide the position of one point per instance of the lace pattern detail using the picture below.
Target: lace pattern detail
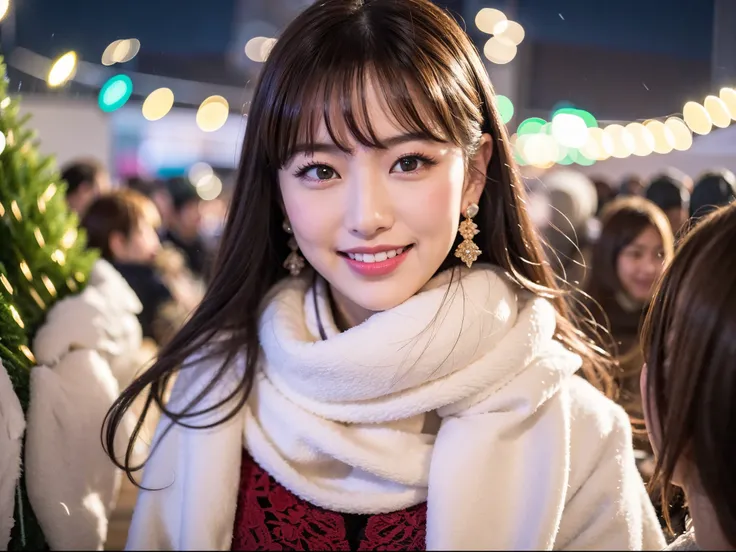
(269, 517)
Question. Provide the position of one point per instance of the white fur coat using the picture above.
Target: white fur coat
(84, 350)
(527, 456)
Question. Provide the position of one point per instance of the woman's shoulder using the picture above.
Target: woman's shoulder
(591, 412)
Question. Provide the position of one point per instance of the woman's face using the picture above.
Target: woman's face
(377, 224)
(640, 264)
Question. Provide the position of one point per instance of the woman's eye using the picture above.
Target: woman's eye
(408, 164)
(320, 172)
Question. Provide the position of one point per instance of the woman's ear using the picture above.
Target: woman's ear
(477, 171)
(118, 245)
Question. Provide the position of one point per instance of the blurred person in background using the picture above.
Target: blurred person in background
(670, 192)
(634, 244)
(712, 190)
(571, 226)
(689, 381)
(185, 226)
(156, 191)
(605, 192)
(122, 225)
(631, 185)
(86, 179)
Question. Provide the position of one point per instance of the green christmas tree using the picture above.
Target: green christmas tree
(43, 258)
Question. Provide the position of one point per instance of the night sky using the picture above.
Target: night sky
(678, 27)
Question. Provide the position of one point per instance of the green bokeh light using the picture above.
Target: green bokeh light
(505, 108)
(532, 125)
(115, 93)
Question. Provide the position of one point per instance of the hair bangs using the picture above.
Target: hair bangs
(419, 101)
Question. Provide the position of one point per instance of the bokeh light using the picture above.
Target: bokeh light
(621, 139)
(4, 8)
(212, 113)
(718, 111)
(531, 125)
(198, 172)
(599, 145)
(569, 130)
(115, 93)
(499, 50)
(510, 30)
(158, 104)
(209, 187)
(62, 70)
(121, 51)
(728, 95)
(643, 139)
(505, 108)
(488, 19)
(258, 48)
(697, 118)
(664, 140)
(683, 138)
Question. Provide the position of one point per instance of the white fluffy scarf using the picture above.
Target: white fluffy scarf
(460, 397)
(340, 421)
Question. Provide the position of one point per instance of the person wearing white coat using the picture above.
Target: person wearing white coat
(85, 350)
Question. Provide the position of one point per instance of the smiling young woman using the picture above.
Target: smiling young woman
(382, 360)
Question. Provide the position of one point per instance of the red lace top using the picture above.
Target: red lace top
(269, 517)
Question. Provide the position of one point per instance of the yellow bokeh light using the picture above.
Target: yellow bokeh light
(499, 50)
(643, 139)
(4, 8)
(62, 70)
(510, 30)
(158, 104)
(209, 187)
(16, 211)
(598, 147)
(540, 150)
(39, 237)
(718, 111)
(121, 51)
(70, 236)
(58, 257)
(213, 113)
(488, 19)
(697, 118)
(27, 352)
(622, 140)
(26, 271)
(16, 316)
(664, 140)
(258, 48)
(6, 284)
(728, 96)
(681, 133)
(49, 285)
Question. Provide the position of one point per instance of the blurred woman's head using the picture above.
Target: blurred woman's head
(634, 243)
(689, 383)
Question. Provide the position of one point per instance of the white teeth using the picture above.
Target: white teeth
(377, 257)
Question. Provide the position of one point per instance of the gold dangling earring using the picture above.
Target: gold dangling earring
(468, 252)
(294, 262)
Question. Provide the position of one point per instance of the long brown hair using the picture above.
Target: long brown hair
(689, 342)
(435, 84)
